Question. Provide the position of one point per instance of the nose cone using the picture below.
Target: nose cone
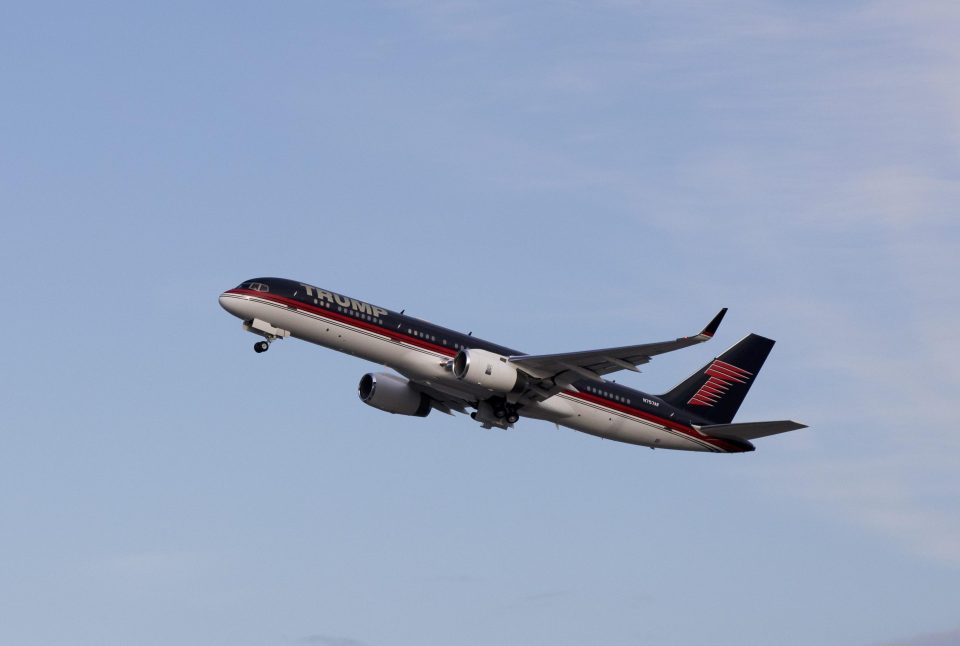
(230, 302)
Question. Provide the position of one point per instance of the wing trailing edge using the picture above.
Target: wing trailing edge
(593, 364)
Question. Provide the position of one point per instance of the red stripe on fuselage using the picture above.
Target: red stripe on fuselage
(394, 334)
(642, 414)
(397, 335)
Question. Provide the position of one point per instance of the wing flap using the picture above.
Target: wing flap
(593, 364)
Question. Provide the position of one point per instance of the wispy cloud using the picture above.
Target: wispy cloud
(331, 640)
(891, 354)
(543, 597)
(843, 149)
(460, 20)
(947, 638)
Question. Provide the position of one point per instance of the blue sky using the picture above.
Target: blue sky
(551, 176)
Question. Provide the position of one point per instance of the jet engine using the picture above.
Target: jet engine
(488, 370)
(393, 394)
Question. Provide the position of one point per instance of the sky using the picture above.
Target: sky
(553, 176)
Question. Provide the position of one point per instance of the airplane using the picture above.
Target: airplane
(441, 369)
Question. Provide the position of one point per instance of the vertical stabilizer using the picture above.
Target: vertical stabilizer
(716, 391)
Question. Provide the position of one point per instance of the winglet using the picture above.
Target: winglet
(712, 326)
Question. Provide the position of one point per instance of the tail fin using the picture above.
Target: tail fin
(716, 391)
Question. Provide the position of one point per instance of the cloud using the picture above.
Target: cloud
(869, 200)
(331, 640)
(459, 20)
(543, 597)
(826, 155)
(947, 638)
(155, 567)
(906, 497)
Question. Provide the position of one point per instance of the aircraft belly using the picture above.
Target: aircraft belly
(412, 361)
(554, 409)
(426, 366)
(613, 426)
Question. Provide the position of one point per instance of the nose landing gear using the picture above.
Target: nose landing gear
(267, 331)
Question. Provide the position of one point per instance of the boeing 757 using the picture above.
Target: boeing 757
(441, 369)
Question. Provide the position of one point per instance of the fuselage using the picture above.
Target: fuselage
(421, 351)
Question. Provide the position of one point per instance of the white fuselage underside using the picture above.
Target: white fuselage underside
(427, 367)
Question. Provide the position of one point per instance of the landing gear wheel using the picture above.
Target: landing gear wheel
(499, 413)
(513, 418)
(261, 346)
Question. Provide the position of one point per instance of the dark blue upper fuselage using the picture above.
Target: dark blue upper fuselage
(449, 342)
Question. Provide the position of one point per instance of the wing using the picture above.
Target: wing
(593, 364)
(445, 401)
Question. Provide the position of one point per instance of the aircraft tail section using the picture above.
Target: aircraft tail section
(716, 391)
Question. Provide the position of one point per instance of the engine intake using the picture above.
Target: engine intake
(393, 394)
(488, 370)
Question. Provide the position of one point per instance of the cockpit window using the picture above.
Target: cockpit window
(257, 287)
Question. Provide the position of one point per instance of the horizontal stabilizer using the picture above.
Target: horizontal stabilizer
(747, 431)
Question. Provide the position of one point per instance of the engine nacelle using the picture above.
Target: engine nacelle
(393, 394)
(489, 370)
